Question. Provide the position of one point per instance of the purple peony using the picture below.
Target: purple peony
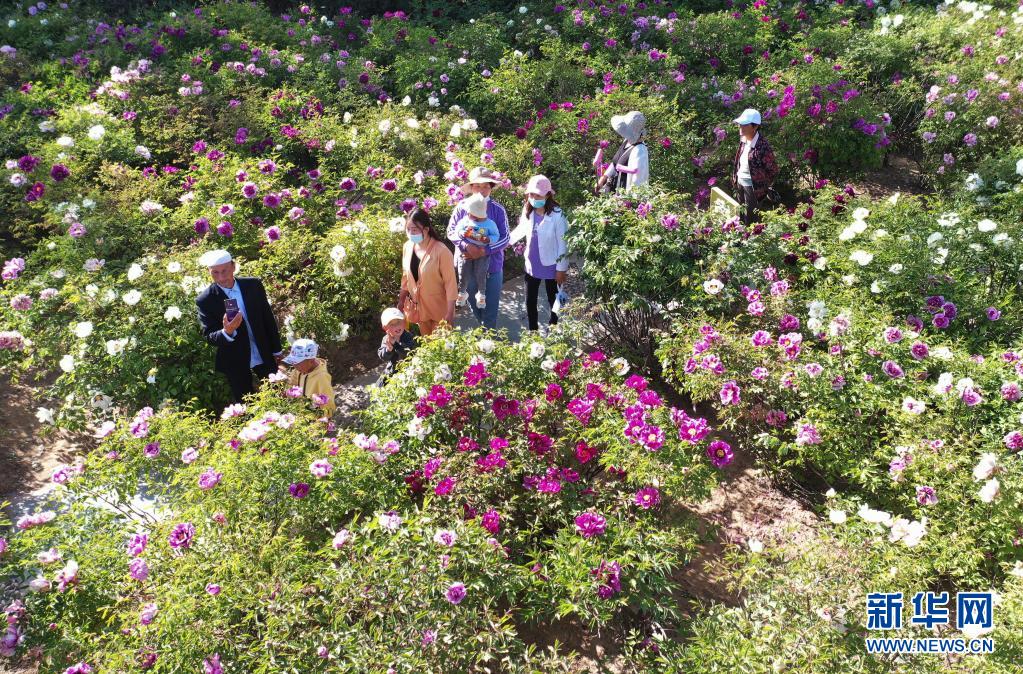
(590, 524)
(648, 497)
(455, 593)
(181, 536)
(720, 453)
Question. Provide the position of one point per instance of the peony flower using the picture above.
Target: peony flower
(455, 593)
(320, 468)
(341, 538)
(181, 536)
(990, 491)
(985, 466)
(926, 495)
(713, 286)
(647, 497)
(806, 434)
(445, 537)
(730, 393)
(720, 453)
(209, 479)
(590, 524)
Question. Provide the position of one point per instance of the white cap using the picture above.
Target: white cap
(301, 349)
(391, 314)
(214, 257)
(748, 116)
(476, 205)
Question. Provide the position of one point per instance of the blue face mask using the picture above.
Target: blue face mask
(537, 203)
(415, 238)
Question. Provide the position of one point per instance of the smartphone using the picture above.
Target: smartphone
(231, 307)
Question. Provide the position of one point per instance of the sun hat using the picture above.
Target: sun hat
(214, 257)
(748, 116)
(539, 184)
(629, 126)
(476, 205)
(391, 314)
(301, 349)
(481, 174)
(478, 176)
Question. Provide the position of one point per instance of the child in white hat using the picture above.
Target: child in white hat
(396, 344)
(480, 230)
(310, 374)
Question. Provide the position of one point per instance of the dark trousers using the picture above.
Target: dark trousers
(533, 294)
(241, 383)
(747, 197)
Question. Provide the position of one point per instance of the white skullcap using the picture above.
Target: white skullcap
(214, 257)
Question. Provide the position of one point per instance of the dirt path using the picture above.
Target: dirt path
(30, 449)
(746, 506)
(902, 174)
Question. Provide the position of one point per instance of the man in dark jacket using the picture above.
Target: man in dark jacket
(246, 337)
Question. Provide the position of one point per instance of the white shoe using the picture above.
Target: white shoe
(462, 298)
(481, 301)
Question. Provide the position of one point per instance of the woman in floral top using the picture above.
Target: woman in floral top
(754, 168)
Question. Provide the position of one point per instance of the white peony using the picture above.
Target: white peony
(487, 345)
(150, 207)
(989, 492)
(837, 516)
(868, 514)
(987, 225)
(713, 286)
(974, 182)
(536, 350)
(67, 363)
(174, 267)
(985, 467)
(83, 329)
(173, 313)
(96, 132)
(115, 347)
(418, 429)
(66, 141)
(44, 415)
(861, 257)
(143, 151)
(132, 297)
(907, 531)
(913, 406)
(135, 272)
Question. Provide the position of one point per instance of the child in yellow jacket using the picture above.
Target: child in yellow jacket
(310, 374)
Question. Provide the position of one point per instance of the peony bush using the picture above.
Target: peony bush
(490, 486)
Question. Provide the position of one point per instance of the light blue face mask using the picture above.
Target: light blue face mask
(415, 238)
(537, 203)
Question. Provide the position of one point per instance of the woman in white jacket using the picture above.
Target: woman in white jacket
(543, 225)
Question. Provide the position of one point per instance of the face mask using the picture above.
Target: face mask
(415, 238)
(537, 203)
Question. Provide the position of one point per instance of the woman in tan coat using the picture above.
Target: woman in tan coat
(429, 286)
